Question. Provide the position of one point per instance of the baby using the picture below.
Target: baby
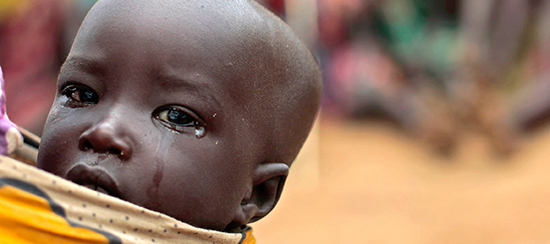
(195, 109)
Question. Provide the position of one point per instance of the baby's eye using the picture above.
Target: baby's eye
(179, 119)
(80, 95)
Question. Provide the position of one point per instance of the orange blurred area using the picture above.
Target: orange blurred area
(378, 185)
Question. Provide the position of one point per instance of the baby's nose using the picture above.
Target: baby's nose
(106, 137)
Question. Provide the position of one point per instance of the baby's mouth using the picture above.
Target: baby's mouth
(95, 188)
(94, 178)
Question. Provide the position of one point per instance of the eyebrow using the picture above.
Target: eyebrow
(176, 81)
(88, 65)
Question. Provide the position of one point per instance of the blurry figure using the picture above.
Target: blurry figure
(504, 83)
(389, 59)
(530, 105)
(492, 32)
(438, 68)
(422, 38)
(29, 47)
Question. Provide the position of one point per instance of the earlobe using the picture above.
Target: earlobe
(269, 179)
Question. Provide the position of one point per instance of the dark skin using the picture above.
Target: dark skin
(190, 108)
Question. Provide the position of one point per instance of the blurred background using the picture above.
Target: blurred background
(433, 127)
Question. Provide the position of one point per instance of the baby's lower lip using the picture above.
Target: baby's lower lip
(96, 188)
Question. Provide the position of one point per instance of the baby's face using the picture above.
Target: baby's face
(153, 114)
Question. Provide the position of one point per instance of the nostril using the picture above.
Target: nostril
(114, 151)
(86, 145)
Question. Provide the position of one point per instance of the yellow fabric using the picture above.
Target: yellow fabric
(249, 238)
(18, 208)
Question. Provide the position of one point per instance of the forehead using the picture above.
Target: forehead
(173, 29)
(186, 38)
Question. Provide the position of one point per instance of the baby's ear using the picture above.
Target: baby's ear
(268, 182)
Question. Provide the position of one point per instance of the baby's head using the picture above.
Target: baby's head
(195, 109)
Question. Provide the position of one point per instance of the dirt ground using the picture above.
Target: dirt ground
(371, 183)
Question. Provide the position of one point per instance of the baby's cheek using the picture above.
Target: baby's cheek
(53, 116)
(58, 140)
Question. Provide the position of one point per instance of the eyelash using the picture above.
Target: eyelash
(79, 95)
(179, 120)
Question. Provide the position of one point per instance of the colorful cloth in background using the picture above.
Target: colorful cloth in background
(30, 32)
(10, 138)
(38, 207)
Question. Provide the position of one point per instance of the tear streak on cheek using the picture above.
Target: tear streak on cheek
(159, 158)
